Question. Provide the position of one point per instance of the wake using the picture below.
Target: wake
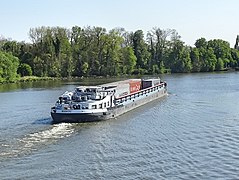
(35, 141)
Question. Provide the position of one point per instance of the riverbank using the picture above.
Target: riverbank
(33, 79)
(28, 79)
(36, 78)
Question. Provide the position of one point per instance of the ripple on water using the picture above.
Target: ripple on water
(191, 134)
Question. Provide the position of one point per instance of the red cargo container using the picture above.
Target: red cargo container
(135, 86)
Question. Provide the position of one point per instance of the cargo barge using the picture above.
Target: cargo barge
(96, 103)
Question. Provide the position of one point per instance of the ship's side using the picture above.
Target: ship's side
(138, 99)
(106, 101)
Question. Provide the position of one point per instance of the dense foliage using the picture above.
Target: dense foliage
(62, 52)
(8, 67)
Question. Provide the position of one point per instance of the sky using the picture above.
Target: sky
(192, 19)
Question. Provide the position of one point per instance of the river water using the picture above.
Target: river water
(193, 133)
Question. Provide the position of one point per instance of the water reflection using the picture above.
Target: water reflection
(27, 85)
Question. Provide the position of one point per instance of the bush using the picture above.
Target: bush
(8, 67)
(25, 70)
(140, 71)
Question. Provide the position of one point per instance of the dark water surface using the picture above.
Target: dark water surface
(191, 134)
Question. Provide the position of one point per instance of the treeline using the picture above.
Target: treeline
(94, 51)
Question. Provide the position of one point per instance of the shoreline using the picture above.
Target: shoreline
(36, 78)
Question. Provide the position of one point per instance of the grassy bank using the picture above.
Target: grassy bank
(28, 79)
(35, 78)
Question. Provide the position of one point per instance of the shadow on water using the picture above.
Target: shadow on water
(44, 121)
(28, 85)
(56, 83)
(91, 81)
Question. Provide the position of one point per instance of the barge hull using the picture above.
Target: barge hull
(77, 117)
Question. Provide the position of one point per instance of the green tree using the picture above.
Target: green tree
(235, 56)
(208, 59)
(221, 50)
(140, 50)
(196, 64)
(219, 65)
(8, 67)
(180, 58)
(89, 51)
(51, 52)
(237, 43)
(158, 48)
(24, 70)
(12, 47)
(128, 60)
(201, 43)
(81, 43)
(85, 67)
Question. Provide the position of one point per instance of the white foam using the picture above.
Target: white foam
(33, 141)
(57, 131)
